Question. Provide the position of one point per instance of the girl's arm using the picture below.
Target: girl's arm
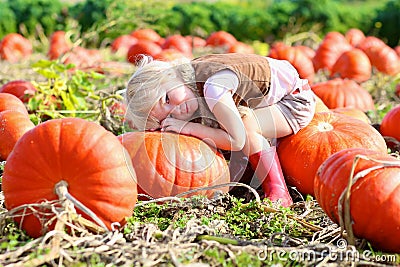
(232, 136)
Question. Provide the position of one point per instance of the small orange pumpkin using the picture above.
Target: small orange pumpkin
(148, 35)
(178, 42)
(382, 57)
(59, 45)
(300, 61)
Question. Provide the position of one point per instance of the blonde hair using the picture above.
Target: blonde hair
(144, 90)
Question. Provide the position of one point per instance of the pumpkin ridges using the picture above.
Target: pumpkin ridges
(340, 92)
(379, 189)
(310, 147)
(40, 172)
(167, 163)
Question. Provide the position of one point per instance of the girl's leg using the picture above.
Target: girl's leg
(262, 156)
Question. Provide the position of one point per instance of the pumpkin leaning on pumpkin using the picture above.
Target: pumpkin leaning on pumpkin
(87, 157)
(374, 200)
(168, 164)
(302, 154)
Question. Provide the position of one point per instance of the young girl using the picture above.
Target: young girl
(235, 102)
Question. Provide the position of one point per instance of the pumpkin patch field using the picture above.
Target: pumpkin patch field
(80, 186)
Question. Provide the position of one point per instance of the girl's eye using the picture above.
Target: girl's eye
(166, 99)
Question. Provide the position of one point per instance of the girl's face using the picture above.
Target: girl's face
(179, 102)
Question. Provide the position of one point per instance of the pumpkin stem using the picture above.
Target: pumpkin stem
(61, 189)
(324, 127)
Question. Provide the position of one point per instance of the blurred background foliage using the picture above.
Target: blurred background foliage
(99, 22)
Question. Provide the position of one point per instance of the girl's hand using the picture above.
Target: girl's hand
(174, 125)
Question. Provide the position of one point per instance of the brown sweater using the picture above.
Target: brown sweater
(252, 70)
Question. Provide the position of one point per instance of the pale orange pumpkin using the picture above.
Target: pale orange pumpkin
(168, 164)
(353, 112)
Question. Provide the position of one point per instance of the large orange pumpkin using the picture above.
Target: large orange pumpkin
(13, 125)
(374, 201)
(82, 153)
(302, 154)
(339, 93)
(168, 164)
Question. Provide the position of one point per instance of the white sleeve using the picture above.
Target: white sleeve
(218, 84)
